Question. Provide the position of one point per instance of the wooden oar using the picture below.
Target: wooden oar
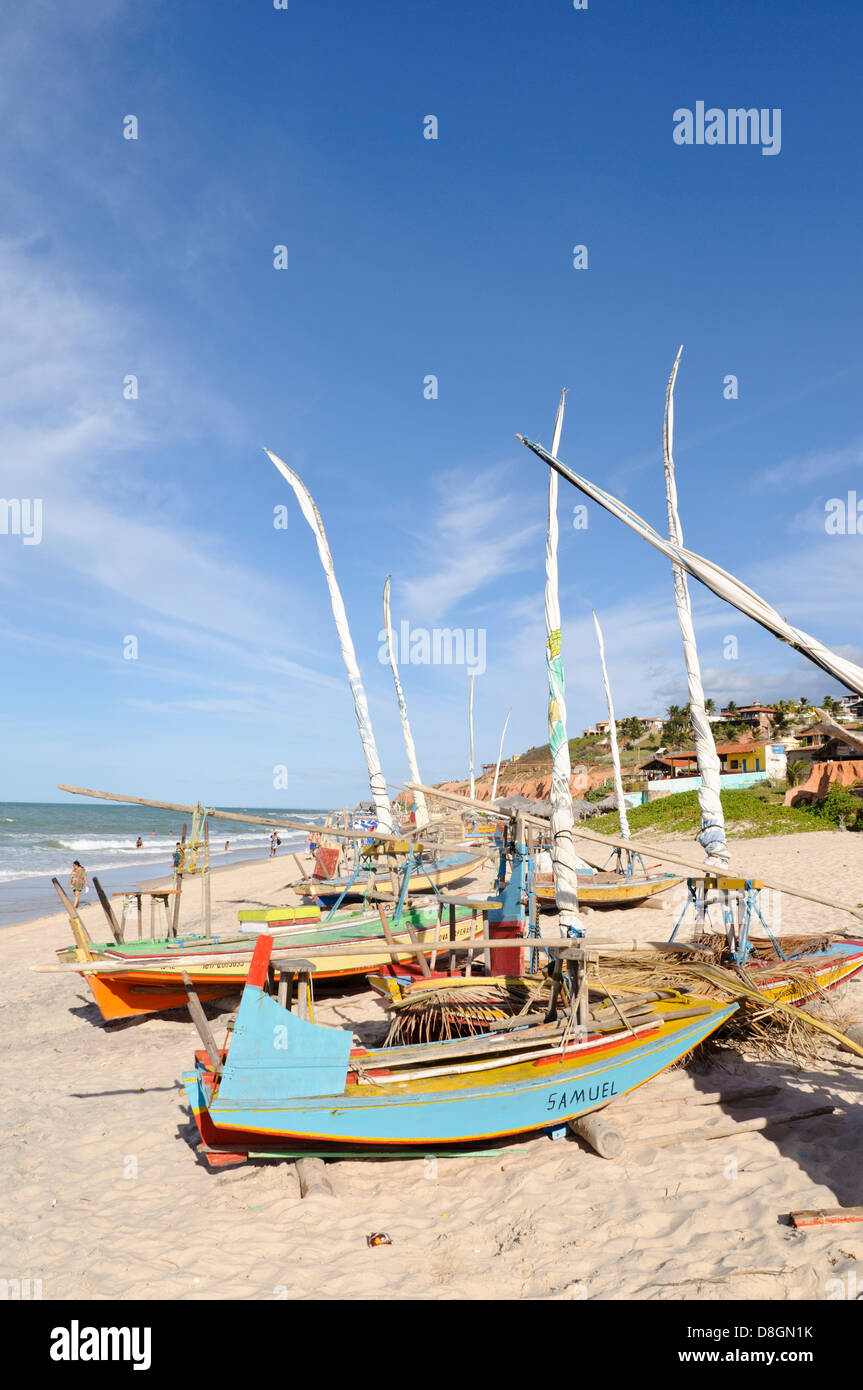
(671, 856)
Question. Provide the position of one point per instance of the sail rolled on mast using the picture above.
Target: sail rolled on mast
(500, 754)
(713, 577)
(420, 805)
(563, 856)
(711, 837)
(470, 732)
(612, 734)
(361, 708)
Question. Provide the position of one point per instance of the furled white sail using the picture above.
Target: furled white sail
(612, 734)
(563, 857)
(470, 723)
(500, 755)
(421, 813)
(361, 708)
(713, 577)
(711, 837)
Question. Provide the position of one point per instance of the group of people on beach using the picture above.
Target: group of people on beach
(79, 884)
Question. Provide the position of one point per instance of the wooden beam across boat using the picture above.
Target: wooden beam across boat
(310, 954)
(281, 822)
(670, 856)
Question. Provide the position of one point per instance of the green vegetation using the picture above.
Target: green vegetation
(601, 791)
(749, 811)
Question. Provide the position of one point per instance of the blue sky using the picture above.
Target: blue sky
(406, 257)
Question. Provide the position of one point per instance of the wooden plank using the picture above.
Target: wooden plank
(108, 910)
(283, 957)
(286, 988)
(476, 900)
(277, 821)
(304, 1008)
(827, 1216)
(179, 885)
(731, 1131)
(423, 962)
(208, 901)
(388, 936)
(79, 931)
(202, 1023)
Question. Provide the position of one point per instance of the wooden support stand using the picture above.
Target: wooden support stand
(603, 1137)
(79, 931)
(202, 1023)
(312, 1177)
(108, 910)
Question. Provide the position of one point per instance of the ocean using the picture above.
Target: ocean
(39, 840)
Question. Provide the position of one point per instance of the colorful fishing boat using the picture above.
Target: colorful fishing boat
(130, 979)
(287, 1084)
(804, 974)
(440, 872)
(606, 889)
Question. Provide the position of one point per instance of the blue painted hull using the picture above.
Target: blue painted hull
(458, 1110)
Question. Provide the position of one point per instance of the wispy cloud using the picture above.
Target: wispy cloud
(811, 466)
(470, 542)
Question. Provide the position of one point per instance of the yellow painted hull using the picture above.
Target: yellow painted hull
(388, 883)
(613, 891)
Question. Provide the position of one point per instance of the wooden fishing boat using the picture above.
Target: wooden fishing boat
(441, 873)
(286, 1083)
(805, 973)
(603, 889)
(130, 979)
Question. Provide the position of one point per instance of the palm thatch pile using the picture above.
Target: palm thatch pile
(623, 986)
(463, 1008)
(768, 1028)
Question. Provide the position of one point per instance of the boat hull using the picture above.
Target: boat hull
(159, 986)
(388, 883)
(826, 969)
(596, 891)
(254, 1105)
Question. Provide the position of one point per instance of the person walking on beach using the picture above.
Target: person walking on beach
(273, 843)
(78, 881)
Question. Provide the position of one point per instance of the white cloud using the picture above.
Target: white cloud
(809, 467)
(472, 541)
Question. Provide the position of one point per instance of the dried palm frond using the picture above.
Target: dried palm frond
(432, 1012)
(769, 1027)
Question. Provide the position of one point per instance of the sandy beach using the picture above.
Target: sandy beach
(109, 1199)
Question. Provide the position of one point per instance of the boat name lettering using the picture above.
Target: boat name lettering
(567, 1100)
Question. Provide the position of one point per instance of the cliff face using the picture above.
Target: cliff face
(536, 787)
(824, 776)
